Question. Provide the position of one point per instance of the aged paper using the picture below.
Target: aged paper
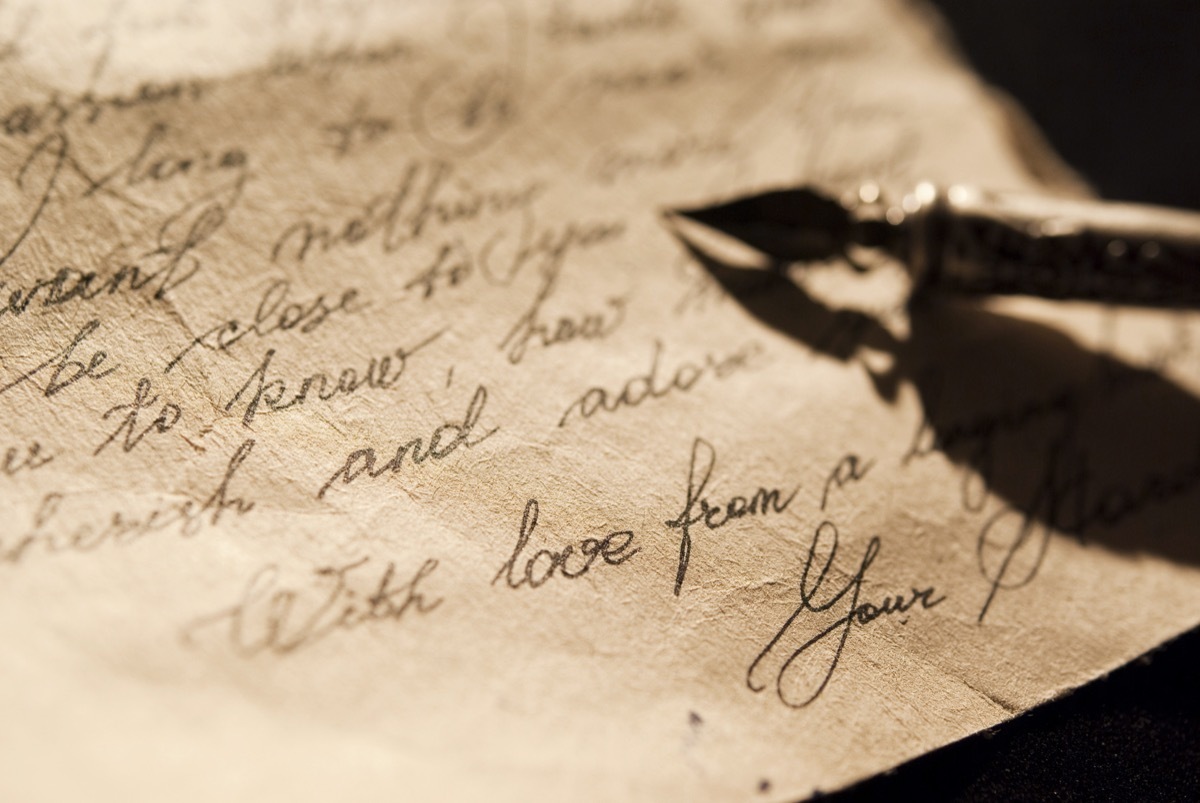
(367, 431)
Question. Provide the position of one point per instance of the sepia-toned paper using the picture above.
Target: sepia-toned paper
(368, 430)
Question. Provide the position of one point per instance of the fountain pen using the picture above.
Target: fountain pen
(968, 241)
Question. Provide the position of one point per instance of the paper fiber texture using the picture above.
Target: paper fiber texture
(368, 431)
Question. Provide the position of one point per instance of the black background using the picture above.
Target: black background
(1116, 89)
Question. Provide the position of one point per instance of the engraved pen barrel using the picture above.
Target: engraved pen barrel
(969, 241)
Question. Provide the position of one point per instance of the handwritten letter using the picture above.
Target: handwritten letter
(367, 430)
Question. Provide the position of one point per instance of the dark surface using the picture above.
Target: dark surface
(1134, 735)
(1115, 88)
(1113, 85)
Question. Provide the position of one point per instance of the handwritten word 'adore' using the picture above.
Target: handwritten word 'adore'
(613, 549)
(650, 385)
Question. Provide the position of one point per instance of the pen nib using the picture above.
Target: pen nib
(798, 225)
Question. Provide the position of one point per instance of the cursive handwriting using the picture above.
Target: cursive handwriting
(613, 549)
(1012, 542)
(277, 620)
(699, 510)
(468, 104)
(121, 528)
(263, 396)
(978, 436)
(567, 24)
(443, 442)
(550, 249)
(325, 62)
(856, 615)
(169, 263)
(625, 162)
(67, 371)
(850, 468)
(361, 128)
(642, 387)
(152, 163)
(168, 416)
(27, 458)
(757, 12)
(427, 196)
(530, 328)
(1067, 497)
(275, 313)
(57, 110)
(55, 151)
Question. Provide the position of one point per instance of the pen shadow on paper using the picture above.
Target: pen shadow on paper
(1048, 434)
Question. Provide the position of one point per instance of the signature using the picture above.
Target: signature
(1012, 543)
(797, 684)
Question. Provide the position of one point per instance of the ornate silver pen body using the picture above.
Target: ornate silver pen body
(966, 240)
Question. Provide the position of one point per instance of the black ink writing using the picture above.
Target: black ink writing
(531, 328)
(699, 510)
(278, 620)
(275, 313)
(567, 24)
(428, 195)
(27, 458)
(649, 385)
(151, 163)
(359, 129)
(612, 549)
(850, 468)
(58, 110)
(188, 517)
(67, 371)
(1012, 542)
(179, 235)
(167, 417)
(466, 106)
(977, 436)
(261, 395)
(856, 614)
(326, 62)
(625, 162)
(443, 442)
